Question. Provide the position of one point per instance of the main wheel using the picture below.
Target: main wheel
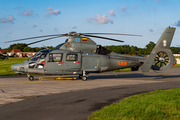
(84, 78)
(135, 68)
(31, 78)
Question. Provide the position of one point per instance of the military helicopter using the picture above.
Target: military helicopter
(79, 55)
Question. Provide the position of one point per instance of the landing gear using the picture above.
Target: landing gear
(135, 68)
(31, 78)
(80, 76)
(83, 76)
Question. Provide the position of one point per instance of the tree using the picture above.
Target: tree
(149, 47)
(20, 46)
(175, 50)
(28, 49)
(4, 52)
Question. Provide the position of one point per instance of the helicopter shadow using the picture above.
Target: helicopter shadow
(132, 76)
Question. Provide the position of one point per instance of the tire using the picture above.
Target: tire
(31, 78)
(135, 68)
(84, 78)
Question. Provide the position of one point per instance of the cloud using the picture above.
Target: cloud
(100, 19)
(10, 19)
(34, 26)
(151, 30)
(10, 32)
(154, 8)
(56, 30)
(123, 8)
(177, 23)
(27, 13)
(111, 12)
(74, 27)
(51, 12)
(16, 8)
(133, 6)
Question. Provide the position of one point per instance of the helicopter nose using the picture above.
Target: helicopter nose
(18, 68)
(14, 67)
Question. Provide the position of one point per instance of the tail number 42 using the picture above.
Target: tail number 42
(121, 63)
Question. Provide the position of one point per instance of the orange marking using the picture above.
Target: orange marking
(121, 63)
(125, 63)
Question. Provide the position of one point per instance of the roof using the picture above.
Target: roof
(2, 50)
(16, 50)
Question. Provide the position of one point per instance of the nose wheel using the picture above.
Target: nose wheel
(31, 78)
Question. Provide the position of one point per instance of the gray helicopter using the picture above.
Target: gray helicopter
(80, 55)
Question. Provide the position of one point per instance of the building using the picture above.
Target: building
(3, 50)
(19, 53)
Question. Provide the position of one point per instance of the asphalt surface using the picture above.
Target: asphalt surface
(79, 104)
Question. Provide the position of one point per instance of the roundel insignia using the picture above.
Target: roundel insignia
(77, 39)
(164, 43)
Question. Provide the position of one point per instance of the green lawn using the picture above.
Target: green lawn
(5, 65)
(177, 65)
(155, 105)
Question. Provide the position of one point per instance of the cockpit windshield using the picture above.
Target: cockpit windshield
(39, 55)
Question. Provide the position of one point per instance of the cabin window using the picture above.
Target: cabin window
(56, 57)
(71, 57)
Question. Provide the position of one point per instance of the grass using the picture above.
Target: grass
(123, 70)
(5, 65)
(177, 65)
(158, 104)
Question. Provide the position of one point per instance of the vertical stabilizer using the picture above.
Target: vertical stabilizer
(166, 38)
(161, 56)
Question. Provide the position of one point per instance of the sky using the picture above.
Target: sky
(29, 18)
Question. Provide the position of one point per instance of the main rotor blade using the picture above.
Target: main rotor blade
(103, 38)
(111, 34)
(34, 37)
(45, 40)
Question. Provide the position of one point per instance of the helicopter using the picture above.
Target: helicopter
(80, 55)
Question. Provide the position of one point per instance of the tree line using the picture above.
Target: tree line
(25, 48)
(127, 49)
(121, 49)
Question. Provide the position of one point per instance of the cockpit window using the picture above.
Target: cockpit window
(39, 55)
(56, 57)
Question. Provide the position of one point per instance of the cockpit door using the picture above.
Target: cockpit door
(54, 63)
(72, 62)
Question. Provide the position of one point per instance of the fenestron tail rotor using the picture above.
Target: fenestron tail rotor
(72, 34)
(161, 59)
